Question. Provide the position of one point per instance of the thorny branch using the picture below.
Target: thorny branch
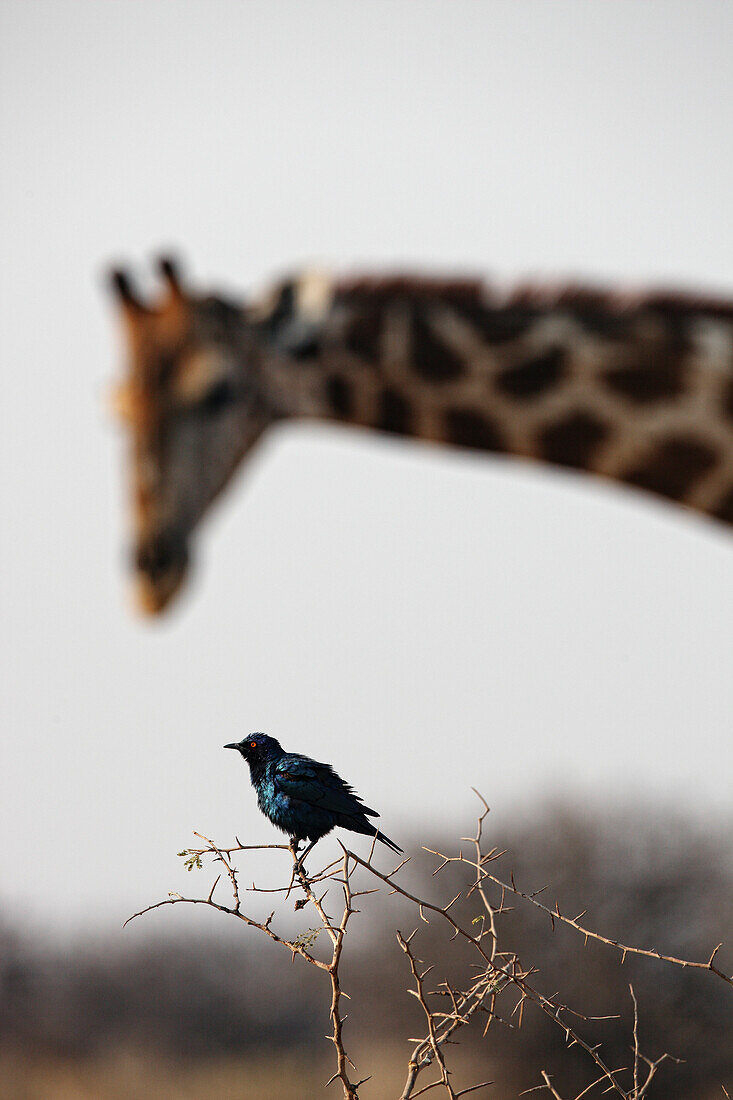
(482, 876)
(500, 977)
(639, 1088)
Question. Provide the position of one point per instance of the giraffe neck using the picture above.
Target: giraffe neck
(639, 391)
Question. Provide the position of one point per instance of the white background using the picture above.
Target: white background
(425, 621)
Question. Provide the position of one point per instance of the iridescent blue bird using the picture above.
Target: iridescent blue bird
(302, 797)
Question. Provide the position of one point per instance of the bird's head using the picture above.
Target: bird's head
(256, 747)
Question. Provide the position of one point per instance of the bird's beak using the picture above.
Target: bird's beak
(231, 746)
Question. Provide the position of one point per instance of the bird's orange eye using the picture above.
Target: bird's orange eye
(253, 744)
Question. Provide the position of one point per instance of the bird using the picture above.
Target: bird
(301, 796)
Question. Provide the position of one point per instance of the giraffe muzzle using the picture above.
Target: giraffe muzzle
(161, 565)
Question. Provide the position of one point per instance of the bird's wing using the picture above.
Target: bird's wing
(318, 785)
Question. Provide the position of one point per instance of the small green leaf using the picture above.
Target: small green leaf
(308, 938)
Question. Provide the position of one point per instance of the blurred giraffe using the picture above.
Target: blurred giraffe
(638, 389)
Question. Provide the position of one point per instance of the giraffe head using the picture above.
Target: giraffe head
(193, 405)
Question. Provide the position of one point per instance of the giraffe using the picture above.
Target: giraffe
(635, 388)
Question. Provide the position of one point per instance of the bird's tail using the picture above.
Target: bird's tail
(362, 824)
(386, 841)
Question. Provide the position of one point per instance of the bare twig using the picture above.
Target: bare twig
(499, 976)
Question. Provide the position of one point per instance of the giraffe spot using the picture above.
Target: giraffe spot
(673, 467)
(498, 326)
(393, 412)
(534, 376)
(363, 333)
(606, 323)
(573, 440)
(648, 381)
(724, 510)
(675, 320)
(466, 428)
(340, 396)
(432, 359)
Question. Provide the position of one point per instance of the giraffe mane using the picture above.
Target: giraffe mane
(379, 288)
(537, 295)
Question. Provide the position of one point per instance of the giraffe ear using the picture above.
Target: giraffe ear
(314, 294)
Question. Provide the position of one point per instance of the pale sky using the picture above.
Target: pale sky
(425, 621)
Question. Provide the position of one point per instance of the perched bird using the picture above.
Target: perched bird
(302, 797)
